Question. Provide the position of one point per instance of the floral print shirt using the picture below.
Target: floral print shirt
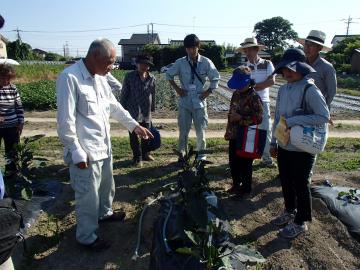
(249, 106)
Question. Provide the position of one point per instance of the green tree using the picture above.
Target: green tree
(216, 53)
(165, 55)
(52, 56)
(275, 33)
(19, 50)
(340, 55)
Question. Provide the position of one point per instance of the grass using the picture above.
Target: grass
(36, 84)
(348, 81)
(345, 127)
(49, 236)
(346, 91)
(33, 73)
(340, 154)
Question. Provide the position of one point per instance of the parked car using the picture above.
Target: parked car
(165, 68)
(70, 62)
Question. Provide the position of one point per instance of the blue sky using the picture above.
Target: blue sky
(226, 21)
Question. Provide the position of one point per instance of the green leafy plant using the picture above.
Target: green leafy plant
(20, 184)
(352, 196)
(203, 231)
(40, 95)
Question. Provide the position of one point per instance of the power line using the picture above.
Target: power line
(77, 31)
(193, 26)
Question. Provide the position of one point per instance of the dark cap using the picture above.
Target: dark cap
(294, 59)
(191, 41)
(144, 59)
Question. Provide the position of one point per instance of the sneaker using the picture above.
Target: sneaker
(284, 218)
(292, 230)
(137, 163)
(116, 216)
(269, 163)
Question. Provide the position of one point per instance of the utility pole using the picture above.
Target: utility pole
(152, 32)
(148, 33)
(348, 21)
(67, 52)
(18, 35)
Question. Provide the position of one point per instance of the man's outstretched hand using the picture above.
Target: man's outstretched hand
(144, 133)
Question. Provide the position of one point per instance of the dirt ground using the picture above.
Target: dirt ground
(51, 241)
(327, 244)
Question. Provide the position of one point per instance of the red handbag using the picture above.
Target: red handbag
(250, 142)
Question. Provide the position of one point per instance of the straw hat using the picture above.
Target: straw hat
(250, 42)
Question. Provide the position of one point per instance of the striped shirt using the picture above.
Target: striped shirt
(11, 109)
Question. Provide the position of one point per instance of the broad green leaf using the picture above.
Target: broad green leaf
(193, 237)
(188, 251)
(245, 254)
(26, 194)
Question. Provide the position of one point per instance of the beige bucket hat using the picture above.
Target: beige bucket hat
(250, 42)
(315, 36)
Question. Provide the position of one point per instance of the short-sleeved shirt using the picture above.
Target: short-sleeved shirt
(260, 71)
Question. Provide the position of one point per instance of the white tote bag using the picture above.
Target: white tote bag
(310, 139)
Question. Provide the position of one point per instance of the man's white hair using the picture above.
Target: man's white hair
(101, 45)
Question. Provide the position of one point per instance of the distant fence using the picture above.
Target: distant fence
(33, 62)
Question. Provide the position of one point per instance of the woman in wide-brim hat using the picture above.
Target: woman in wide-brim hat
(296, 107)
(294, 60)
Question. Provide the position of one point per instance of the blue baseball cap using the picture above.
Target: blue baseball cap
(239, 79)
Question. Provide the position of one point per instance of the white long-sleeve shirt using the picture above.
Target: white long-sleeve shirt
(85, 104)
(115, 85)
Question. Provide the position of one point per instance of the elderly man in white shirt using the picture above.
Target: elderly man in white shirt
(85, 103)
